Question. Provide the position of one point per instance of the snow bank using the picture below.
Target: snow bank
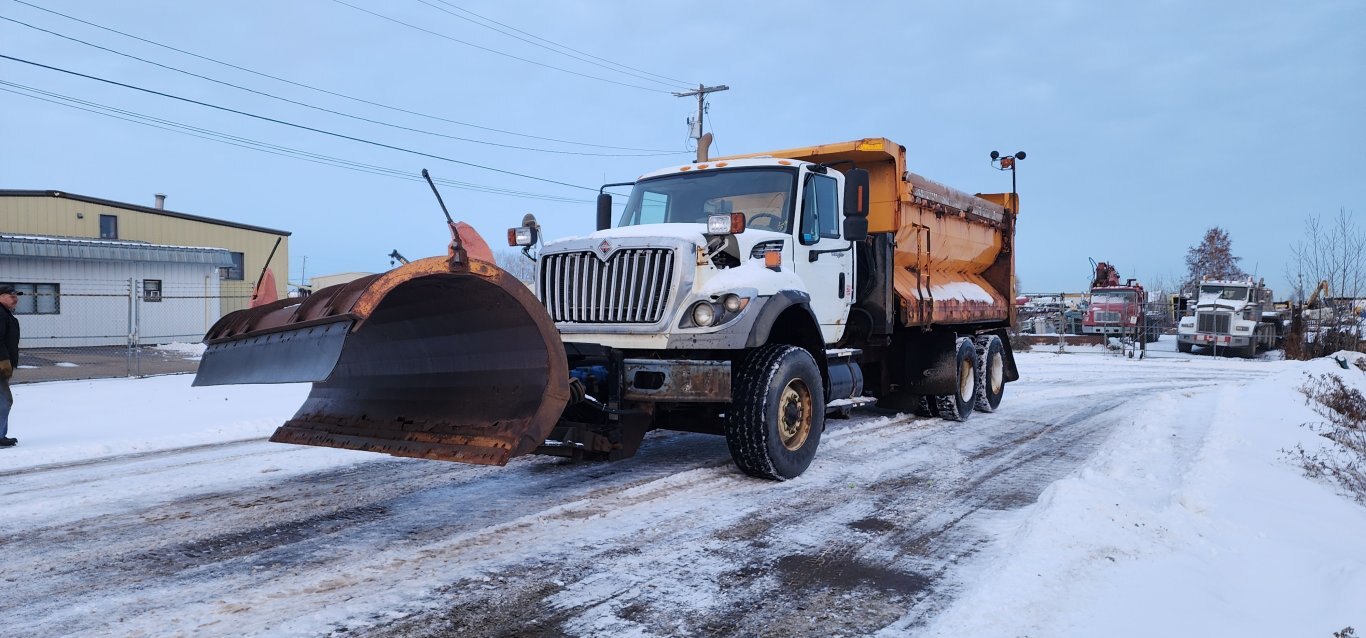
(55, 422)
(1191, 522)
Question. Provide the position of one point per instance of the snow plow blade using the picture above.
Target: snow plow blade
(436, 359)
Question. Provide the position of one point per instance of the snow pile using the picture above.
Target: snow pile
(192, 351)
(1192, 521)
(66, 421)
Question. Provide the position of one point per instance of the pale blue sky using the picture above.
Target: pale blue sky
(1144, 123)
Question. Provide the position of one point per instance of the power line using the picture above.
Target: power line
(256, 145)
(294, 125)
(323, 109)
(495, 51)
(664, 79)
(333, 93)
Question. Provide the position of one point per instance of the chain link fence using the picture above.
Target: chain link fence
(133, 328)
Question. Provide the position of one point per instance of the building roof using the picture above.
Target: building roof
(39, 246)
(142, 209)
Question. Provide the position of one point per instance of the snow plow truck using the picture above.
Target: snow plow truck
(749, 297)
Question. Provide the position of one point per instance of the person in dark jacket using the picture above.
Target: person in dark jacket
(9, 358)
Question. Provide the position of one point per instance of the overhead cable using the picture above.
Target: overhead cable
(293, 124)
(333, 93)
(256, 145)
(323, 109)
(497, 52)
(573, 53)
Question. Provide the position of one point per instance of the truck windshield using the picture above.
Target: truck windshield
(764, 195)
(1112, 297)
(1225, 293)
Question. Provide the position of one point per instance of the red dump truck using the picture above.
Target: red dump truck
(748, 297)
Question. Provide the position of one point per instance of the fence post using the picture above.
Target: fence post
(128, 346)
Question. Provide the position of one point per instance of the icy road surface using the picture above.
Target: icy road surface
(254, 538)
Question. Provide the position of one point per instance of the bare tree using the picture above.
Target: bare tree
(1213, 258)
(1330, 253)
(517, 265)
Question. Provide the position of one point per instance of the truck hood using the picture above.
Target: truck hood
(1213, 302)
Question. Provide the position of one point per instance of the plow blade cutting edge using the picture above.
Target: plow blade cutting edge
(434, 359)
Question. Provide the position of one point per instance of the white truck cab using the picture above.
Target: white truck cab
(1234, 315)
(698, 253)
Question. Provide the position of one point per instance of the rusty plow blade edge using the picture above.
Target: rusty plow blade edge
(433, 360)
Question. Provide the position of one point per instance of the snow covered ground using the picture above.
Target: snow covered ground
(1187, 518)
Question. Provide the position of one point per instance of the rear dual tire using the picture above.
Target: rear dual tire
(959, 405)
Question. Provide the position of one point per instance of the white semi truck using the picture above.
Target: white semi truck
(1236, 316)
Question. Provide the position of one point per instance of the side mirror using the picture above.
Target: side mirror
(856, 194)
(856, 228)
(604, 211)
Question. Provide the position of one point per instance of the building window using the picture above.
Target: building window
(151, 290)
(234, 272)
(38, 299)
(109, 227)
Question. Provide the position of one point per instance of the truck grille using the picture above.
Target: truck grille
(1217, 322)
(1107, 317)
(632, 286)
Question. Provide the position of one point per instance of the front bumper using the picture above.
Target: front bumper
(1105, 330)
(1204, 339)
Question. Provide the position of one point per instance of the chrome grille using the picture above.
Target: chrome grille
(1107, 316)
(1217, 322)
(632, 286)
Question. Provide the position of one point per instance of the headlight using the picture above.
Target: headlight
(732, 303)
(703, 314)
(1241, 328)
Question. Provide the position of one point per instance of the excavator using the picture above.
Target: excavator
(1316, 310)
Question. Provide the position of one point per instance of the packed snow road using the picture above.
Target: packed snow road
(253, 538)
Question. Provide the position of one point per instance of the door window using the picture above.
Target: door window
(819, 216)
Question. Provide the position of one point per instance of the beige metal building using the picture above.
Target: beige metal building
(60, 214)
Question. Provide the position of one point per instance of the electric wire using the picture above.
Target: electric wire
(485, 18)
(333, 93)
(256, 145)
(295, 125)
(633, 72)
(495, 51)
(323, 109)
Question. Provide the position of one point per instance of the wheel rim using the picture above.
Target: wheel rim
(997, 370)
(967, 380)
(794, 415)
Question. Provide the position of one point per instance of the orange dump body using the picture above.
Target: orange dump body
(955, 259)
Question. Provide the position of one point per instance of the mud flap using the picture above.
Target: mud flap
(456, 362)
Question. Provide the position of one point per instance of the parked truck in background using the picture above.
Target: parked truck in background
(748, 296)
(1235, 316)
(1117, 309)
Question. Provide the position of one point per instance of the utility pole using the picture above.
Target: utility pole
(703, 140)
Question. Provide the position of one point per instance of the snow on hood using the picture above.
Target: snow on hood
(751, 275)
(693, 233)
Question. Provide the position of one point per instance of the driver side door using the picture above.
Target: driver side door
(829, 278)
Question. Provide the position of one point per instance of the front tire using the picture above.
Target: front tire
(779, 405)
(1182, 346)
